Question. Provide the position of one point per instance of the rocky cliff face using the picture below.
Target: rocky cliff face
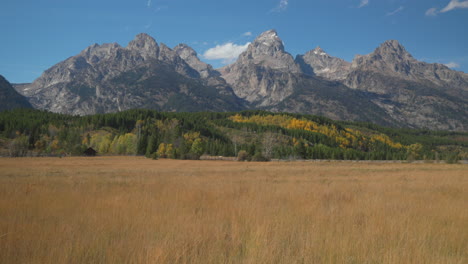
(10, 98)
(264, 74)
(318, 62)
(109, 78)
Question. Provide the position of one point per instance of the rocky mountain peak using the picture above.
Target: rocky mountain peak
(268, 37)
(390, 55)
(267, 50)
(319, 51)
(145, 44)
(185, 51)
(268, 43)
(318, 62)
(95, 53)
(189, 55)
(264, 74)
(392, 48)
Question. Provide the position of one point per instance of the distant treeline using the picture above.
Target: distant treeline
(249, 135)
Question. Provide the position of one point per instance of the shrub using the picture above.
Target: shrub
(259, 157)
(154, 156)
(243, 156)
(452, 158)
(18, 147)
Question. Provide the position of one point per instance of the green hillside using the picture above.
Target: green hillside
(251, 135)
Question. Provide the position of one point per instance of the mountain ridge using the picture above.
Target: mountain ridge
(10, 98)
(109, 78)
(388, 86)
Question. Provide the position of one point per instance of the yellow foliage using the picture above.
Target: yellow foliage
(54, 145)
(347, 138)
(165, 150)
(162, 150)
(386, 140)
(101, 141)
(190, 137)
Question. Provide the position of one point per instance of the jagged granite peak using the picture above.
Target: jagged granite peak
(319, 51)
(268, 43)
(143, 41)
(95, 53)
(392, 46)
(415, 93)
(171, 57)
(191, 57)
(264, 74)
(268, 50)
(390, 54)
(185, 51)
(392, 59)
(318, 62)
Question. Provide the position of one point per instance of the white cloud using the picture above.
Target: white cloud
(247, 34)
(148, 4)
(227, 52)
(363, 3)
(432, 12)
(452, 65)
(282, 6)
(454, 4)
(396, 11)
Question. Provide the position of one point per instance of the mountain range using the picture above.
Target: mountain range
(388, 86)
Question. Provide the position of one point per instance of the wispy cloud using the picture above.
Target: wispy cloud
(227, 52)
(148, 4)
(282, 6)
(394, 12)
(432, 12)
(452, 65)
(454, 4)
(247, 34)
(363, 3)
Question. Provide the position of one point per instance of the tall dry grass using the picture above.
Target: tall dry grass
(134, 210)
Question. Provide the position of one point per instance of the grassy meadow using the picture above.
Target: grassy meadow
(137, 210)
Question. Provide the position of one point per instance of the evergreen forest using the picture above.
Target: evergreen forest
(247, 135)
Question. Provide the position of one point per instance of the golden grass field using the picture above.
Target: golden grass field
(137, 210)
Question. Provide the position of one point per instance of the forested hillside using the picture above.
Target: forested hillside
(248, 135)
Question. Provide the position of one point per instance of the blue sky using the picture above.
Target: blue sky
(39, 34)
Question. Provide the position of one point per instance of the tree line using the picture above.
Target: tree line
(249, 135)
